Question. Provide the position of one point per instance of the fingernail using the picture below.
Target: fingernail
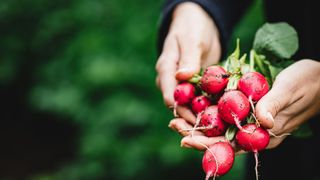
(183, 70)
(270, 118)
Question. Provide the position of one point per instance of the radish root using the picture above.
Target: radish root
(256, 120)
(278, 136)
(237, 122)
(207, 148)
(251, 103)
(257, 163)
(175, 105)
(197, 128)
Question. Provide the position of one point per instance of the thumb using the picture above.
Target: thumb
(190, 61)
(271, 104)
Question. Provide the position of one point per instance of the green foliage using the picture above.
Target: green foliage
(276, 39)
(231, 133)
(304, 131)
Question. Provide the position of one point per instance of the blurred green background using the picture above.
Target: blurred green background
(78, 98)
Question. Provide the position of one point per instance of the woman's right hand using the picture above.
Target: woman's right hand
(192, 42)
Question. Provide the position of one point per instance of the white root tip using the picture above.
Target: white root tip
(208, 176)
(257, 163)
(175, 105)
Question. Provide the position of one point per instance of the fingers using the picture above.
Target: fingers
(272, 103)
(275, 141)
(182, 127)
(166, 68)
(190, 59)
(200, 142)
(187, 114)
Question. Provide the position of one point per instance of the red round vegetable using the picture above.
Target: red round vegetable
(218, 159)
(214, 79)
(184, 93)
(200, 103)
(233, 107)
(211, 119)
(254, 85)
(256, 141)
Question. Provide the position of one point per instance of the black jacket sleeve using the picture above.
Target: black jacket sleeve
(225, 13)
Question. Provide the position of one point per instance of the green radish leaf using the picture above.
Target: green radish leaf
(232, 63)
(276, 40)
(274, 71)
(260, 65)
(236, 52)
(243, 58)
(304, 131)
(245, 68)
(251, 120)
(231, 133)
(195, 79)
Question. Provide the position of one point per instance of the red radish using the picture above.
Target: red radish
(199, 104)
(256, 141)
(218, 159)
(210, 119)
(184, 93)
(254, 85)
(234, 107)
(214, 79)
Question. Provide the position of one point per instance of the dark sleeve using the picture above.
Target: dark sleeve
(225, 13)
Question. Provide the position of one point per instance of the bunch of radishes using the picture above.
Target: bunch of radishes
(223, 99)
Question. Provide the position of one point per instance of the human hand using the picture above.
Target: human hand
(192, 42)
(293, 99)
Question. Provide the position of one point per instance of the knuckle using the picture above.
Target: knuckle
(306, 62)
(279, 127)
(168, 99)
(164, 59)
(173, 123)
(200, 45)
(286, 83)
(159, 64)
(276, 105)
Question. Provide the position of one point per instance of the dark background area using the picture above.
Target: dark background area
(77, 92)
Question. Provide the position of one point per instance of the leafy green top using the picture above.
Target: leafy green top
(278, 40)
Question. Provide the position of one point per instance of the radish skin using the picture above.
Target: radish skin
(218, 159)
(199, 104)
(212, 120)
(254, 85)
(234, 107)
(184, 93)
(214, 79)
